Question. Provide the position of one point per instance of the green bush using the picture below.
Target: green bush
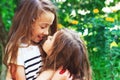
(100, 30)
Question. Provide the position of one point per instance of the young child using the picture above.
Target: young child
(33, 20)
(65, 51)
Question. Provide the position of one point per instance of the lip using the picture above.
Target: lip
(40, 38)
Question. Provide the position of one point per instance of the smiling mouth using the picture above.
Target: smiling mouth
(40, 38)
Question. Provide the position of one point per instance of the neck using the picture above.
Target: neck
(34, 43)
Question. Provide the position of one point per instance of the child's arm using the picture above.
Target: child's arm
(46, 75)
(54, 75)
(18, 74)
(62, 75)
(8, 75)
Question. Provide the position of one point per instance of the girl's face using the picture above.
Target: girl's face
(41, 26)
(48, 44)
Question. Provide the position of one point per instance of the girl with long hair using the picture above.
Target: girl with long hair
(65, 50)
(32, 22)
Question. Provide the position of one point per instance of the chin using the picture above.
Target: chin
(36, 42)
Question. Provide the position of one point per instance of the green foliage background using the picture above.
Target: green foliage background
(102, 37)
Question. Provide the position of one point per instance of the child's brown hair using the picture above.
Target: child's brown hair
(69, 51)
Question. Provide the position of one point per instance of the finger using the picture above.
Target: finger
(70, 78)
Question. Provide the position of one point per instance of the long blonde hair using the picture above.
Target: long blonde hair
(21, 28)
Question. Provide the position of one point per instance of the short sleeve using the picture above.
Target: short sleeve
(20, 57)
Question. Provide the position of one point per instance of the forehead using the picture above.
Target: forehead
(55, 34)
(46, 17)
(58, 33)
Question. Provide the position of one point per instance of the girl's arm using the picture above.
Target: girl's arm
(62, 75)
(46, 75)
(8, 75)
(20, 73)
(54, 75)
(15, 72)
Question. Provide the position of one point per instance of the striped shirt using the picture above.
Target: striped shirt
(31, 59)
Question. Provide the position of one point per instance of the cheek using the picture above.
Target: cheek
(47, 48)
(36, 32)
(33, 34)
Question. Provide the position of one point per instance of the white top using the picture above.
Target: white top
(31, 59)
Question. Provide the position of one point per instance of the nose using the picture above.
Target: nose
(49, 36)
(45, 32)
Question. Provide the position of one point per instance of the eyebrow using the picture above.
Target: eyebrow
(45, 23)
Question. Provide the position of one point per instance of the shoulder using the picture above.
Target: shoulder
(28, 51)
(25, 48)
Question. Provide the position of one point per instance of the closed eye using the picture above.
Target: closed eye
(43, 26)
(50, 37)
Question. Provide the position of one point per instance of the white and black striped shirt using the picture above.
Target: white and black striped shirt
(31, 59)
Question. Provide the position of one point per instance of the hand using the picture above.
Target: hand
(62, 75)
(46, 75)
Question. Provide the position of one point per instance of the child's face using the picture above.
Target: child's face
(41, 26)
(48, 44)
